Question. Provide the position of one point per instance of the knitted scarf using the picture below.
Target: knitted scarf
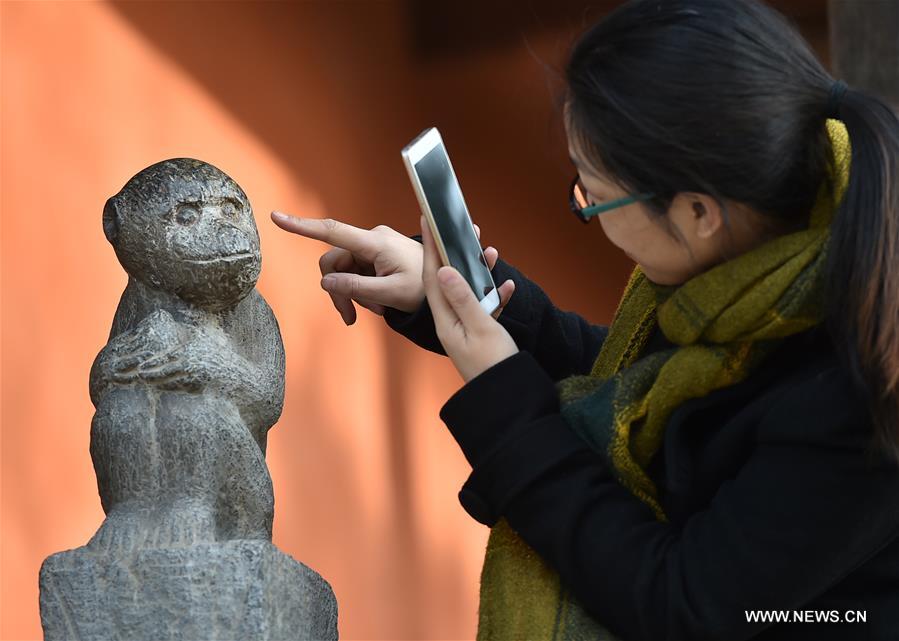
(723, 322)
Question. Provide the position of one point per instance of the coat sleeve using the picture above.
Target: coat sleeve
(803, 511)
(563, 342)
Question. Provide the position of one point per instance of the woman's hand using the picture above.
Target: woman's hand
(472, 338)
(376, 268)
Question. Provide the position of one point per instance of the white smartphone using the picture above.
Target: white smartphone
(441, 201)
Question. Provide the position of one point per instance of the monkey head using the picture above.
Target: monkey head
(185, 227)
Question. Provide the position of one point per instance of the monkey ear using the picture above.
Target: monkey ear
(111, 220)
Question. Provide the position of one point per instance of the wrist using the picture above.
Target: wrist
(413, 303)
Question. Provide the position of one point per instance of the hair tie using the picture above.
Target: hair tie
(837, 89)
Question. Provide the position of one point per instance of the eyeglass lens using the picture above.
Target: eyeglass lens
(580, 195)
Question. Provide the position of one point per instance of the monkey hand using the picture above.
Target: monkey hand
(203, 357)
(117, 362)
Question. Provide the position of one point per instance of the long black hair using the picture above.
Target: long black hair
(724, 97)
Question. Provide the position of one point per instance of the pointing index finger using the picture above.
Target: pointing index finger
(357, 240)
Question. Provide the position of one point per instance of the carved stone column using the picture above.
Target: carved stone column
(185, 391)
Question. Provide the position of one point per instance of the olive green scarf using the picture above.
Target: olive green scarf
(723, 322)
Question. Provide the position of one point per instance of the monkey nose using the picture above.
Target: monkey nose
(233, 239)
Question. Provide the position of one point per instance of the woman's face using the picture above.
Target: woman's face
(664, 258)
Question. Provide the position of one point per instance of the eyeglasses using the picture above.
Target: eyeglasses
(582, 208)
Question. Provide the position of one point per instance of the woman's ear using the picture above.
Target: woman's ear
(697, 214)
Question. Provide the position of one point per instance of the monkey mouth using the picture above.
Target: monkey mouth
(229, 258)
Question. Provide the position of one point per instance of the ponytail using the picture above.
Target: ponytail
(863, 263)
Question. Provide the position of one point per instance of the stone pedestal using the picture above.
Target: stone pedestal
(232, 590)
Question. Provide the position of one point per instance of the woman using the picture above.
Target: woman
(720, 462)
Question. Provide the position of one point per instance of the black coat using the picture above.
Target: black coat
(772, 504)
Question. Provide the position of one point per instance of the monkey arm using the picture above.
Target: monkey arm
(257, 392)
(100, 376)
(256, 333)
(119, 359)
(243, 359)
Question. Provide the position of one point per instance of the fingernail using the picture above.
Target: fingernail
(328, 282)
(279, 215)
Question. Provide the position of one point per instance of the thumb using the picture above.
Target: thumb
(460, 296)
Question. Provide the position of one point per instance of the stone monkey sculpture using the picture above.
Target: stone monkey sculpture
(185, 391)
(192, 377)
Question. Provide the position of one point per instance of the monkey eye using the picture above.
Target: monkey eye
(230, 209)
(187, 214)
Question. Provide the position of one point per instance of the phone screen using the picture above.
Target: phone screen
(444, 196)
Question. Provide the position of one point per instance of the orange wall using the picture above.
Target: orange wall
(306, 105)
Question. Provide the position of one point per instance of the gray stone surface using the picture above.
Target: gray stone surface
(185, 391)
(228, 590)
